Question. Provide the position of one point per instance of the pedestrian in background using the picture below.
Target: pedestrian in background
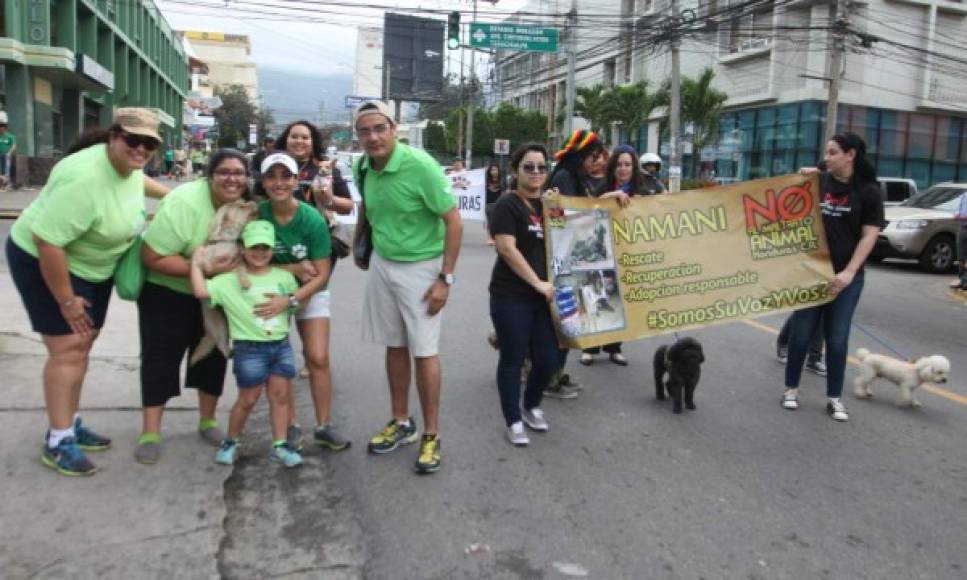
(169, 316)
(303, 247)
(961, 216)
(258, 324)
(416, 231)
(494, 188)
(8, 148)
(650, 166)
(852, 209)
(62, 252)
(577, 161)
(169, 160)
(622, 181)
(520, 295)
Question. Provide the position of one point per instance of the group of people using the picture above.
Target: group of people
(64, 249)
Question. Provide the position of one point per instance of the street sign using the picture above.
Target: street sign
(353, 101)
(501, 146)
(513, 37)
(253, 133)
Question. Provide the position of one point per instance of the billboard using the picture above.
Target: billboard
(413, 51)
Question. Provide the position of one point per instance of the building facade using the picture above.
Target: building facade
(228, 58)
(65, 65)
(902, 82)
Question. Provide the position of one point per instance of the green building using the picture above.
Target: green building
(66, 64)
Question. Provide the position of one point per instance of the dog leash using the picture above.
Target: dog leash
(881, 342)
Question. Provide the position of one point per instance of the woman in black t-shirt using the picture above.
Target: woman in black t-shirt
(852, 217)
(520, 294)
(494, 189)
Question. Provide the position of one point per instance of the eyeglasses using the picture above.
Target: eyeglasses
(534, 168)
(135, 141)
(374, 130)
(225, 174)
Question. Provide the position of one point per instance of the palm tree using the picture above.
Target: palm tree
(702, 106)
(591, 104)
(630, 106)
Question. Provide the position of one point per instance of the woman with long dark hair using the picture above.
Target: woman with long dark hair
(852, 208)
(494, 188)
(520, 294)
(62, 252)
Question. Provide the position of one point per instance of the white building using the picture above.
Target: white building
(228, 57)
(903, 78)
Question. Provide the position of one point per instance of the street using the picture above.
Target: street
(618, 488)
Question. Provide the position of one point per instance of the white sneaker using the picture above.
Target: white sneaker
(790, 400)
(517, 436)
(836, 410)
(534, 419)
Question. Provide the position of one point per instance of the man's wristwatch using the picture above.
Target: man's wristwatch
(293, 302)
(447, 279)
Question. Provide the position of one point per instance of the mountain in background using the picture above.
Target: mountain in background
(293, 96)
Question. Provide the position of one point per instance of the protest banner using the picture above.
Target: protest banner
(674, 262)
(469, 187)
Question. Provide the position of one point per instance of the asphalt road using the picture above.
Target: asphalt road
(620, 487)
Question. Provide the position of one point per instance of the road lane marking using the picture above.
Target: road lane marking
(939, 391)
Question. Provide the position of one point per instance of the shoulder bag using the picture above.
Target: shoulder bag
(363, 243)
(130, 272)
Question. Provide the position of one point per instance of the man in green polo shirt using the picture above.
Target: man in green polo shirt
(416, 239)
(8, 148)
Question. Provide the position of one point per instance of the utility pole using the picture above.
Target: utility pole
(841, 22)
(460, 108)
(674, 115)
(473, 93)
(572, 30)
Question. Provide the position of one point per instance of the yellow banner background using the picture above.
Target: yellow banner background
(675, 262)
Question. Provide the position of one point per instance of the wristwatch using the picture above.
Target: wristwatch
(293, 302)
(447, 279)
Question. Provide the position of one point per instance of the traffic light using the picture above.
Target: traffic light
(453, 30)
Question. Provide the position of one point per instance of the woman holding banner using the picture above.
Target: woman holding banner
(852, 209)
(623, 180)
(520, 294)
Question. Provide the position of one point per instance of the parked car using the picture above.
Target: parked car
(923, 228)
(897, 189)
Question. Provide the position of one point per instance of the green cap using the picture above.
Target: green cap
(258, 232)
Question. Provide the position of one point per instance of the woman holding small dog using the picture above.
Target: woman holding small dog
(62, 253)
(852, 209)
(520, 294)
(303, 247)
(169, 316)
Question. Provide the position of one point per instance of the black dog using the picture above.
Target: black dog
(682, 362)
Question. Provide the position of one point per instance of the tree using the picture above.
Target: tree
(264, 121)
(435, 137)
(234, 116)
(518, 125)
(630, 106)
(701, 107)
(591, 103)
(451, 100)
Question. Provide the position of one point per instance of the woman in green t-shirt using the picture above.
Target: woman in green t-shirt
(303, 247)
(169, 315)
(62, 252)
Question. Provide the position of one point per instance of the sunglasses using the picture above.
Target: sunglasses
(135, 141)
(534, 168)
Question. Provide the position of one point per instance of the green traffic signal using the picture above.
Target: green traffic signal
(453, 30)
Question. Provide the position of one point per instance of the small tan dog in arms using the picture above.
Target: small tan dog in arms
(906, 375)
(222, 248)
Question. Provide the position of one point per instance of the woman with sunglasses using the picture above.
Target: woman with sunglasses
(303, 247)
(62, 252)
(622, 181)
(520, 295)
(169, 315)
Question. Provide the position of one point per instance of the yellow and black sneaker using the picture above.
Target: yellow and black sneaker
(429, 459)
(392, 436)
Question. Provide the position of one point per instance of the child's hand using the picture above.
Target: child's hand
(275, 305)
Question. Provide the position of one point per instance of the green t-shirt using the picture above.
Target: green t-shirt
(179, 227)
(87, 209)
(239, 304)
(305, 237)
(404, 204)
(170, 155)
(7, 142)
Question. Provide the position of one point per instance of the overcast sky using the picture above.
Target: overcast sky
(312, 36)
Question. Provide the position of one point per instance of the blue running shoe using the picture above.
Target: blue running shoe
(67, 459)
(89, 440)
(285, 455)
(227, 452)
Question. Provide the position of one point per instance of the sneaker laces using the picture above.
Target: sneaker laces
(537, 413)
(837, 406)
(429, 446)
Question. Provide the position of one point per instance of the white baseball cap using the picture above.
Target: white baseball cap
(277, 159)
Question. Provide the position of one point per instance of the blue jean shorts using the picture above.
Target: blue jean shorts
(255, 361)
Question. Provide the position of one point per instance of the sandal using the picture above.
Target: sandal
(618, 359)
(587, 359)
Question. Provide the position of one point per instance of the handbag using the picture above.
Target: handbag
(363, 243)
(130, 272)
(342, 238)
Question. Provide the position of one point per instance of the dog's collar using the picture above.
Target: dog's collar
(225, 241)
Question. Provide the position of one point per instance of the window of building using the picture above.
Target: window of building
(749, 29)
(609, 73)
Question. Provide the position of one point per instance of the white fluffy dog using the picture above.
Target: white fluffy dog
(906, 375)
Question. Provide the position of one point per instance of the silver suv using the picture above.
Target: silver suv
(923, 228)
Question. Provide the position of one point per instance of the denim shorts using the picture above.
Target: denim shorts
(255, 361)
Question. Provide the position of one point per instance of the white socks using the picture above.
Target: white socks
(58, 435)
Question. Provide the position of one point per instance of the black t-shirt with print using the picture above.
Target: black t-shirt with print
(846, 209)
(513, 217)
